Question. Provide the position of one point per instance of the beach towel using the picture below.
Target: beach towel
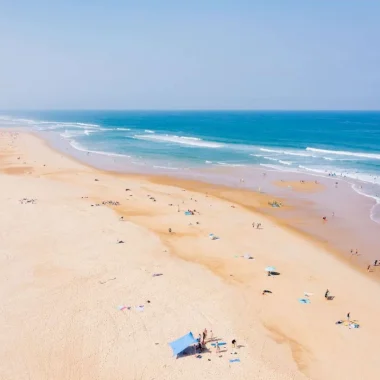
(304, 300)
(234, 360)
(248, 257)
(220, 344)
(188, 213)
(140, 308)
(123, 307)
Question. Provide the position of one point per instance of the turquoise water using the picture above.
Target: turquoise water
(321, 143)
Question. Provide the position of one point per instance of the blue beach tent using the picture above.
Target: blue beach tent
(182, 343)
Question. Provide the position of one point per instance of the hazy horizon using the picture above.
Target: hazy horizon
(223, 55)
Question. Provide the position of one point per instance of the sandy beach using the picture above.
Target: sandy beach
(78, 304)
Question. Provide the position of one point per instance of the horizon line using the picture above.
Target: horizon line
(182, 110)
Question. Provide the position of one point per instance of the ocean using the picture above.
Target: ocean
(339, 144)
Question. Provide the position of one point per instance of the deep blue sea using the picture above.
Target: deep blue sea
(323, 143)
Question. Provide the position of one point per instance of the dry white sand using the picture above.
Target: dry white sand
(63, 277)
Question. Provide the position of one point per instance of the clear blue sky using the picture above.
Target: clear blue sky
(268, 54)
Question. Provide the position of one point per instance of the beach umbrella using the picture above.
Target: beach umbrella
(270, 269)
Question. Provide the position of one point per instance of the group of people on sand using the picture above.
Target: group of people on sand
(258, 225)
(375, 263)
(201, 342)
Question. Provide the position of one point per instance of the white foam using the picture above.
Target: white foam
(345, 153)
(271, 159)
(82, 148)
(164, 167)
(230, 164)
(69, 134)
(374, 207)
(319, 171)
(191, 141)
(285, 162)
(275, 167)
(148, 131)
(286, 152)
(123, 129)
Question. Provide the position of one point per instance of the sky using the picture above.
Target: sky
(210, 54)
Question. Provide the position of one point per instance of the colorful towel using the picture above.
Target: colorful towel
(304, 300)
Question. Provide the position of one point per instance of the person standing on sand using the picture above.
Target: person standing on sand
(253, 224)
(204, 336)
(327, 294)
(375, 263)
(348, 316)
(368, 268)
(217, 347)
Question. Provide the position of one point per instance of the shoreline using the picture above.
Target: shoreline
(64, 277)
(304, 209)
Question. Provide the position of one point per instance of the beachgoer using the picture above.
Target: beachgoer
(233, 343)
(324, 219)
(348, 316)
(375, 263)
(368, 268)
(253, 224)
(121, 218)
(170, 230)
(211, 335)
(352, 251)
(356, 252)
(327, 294)
(217, 347)
(204, 335)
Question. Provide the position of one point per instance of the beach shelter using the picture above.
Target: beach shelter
(182, 343)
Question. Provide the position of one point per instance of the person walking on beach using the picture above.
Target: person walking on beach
(217, 347)
(348, 316)
(327, 294)
(375, 263)
(368, 268)
(233, 343)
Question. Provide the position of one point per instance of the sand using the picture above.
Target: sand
(64, 277)
(301, 186)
